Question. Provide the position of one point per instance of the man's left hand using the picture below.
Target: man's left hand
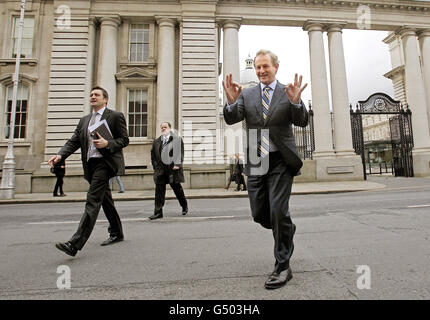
(100, 143)
(295, 90)
(175, 168)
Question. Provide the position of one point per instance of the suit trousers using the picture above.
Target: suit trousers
(59, 184)
(160, 196)
(99, 195)
(269, 196)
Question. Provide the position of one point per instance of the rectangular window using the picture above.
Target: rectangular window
(27, 37)
(139, 42)
(137, 113)
(21, 111)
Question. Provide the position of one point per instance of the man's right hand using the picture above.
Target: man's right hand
(54, 160)
(232, 89)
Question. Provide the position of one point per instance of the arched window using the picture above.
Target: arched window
(21, 111)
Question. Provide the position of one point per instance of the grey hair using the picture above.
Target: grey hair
(273, 57)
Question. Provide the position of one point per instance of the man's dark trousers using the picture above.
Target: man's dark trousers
(269, 195)
(160, 193)
(99, 195)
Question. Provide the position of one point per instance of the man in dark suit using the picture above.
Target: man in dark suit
(239, 174)
(167, 156)
(270, 109)
(101, 160)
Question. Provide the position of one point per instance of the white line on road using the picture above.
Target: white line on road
(139, 219)
(420, 206)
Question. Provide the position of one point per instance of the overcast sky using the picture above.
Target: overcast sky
(367, 58)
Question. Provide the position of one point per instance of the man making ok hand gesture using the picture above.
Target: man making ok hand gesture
(276, 107)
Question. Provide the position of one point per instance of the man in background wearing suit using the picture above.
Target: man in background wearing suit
(167, 156)
(238, 173)
(270, 109)
(101, 160)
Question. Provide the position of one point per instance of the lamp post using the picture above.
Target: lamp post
(7, 189)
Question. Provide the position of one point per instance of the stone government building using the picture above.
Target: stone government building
(160, 61)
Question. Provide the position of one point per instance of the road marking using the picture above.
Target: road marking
(420, 206)
(167, 219)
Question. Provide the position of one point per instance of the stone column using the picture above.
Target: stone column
(90, 59)
(108, 52)
(320, 100)
(166, 73)
(231, 64)
(416, 97)
(424, 40)
(339, 93)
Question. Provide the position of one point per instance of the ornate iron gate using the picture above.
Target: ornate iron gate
(305, 139)
(400, 130)
(402, 144)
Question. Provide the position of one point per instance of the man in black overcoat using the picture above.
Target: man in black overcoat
(167, 156)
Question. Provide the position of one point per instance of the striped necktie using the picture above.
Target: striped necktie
(90, 139)
(263, 148)
(266, 101)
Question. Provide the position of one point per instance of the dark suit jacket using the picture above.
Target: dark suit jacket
(112, 154)
(282, 115)
(173, 153)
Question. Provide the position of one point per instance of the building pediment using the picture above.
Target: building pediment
(136, 73)
(8, 78)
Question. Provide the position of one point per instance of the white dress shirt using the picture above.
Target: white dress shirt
(93, 152)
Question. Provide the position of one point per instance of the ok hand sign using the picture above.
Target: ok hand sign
(294, 91)
(232, 89)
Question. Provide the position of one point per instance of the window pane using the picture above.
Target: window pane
(22, 132)
(144, 96)
(132, 52)
(27, 37)
(28, 22)
(9, 106)
(145, 52)
(133, 35)
(27, 33)
(139, 37)
(24, 106)
(137, 117)
(20, 111)
(139, 53)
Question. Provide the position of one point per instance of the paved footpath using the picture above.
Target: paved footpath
(298, 188)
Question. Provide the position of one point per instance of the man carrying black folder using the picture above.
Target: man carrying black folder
(102, 158)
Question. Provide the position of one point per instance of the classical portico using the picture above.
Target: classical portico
(160, 61)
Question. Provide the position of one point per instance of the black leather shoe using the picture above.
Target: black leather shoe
(184, 211)
(156, 216)
(67, 247)
(277, 280)
(112, 240)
